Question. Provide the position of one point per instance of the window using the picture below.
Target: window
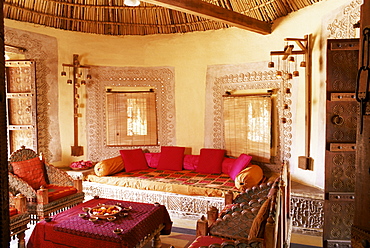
(248, 125)
(131, 118)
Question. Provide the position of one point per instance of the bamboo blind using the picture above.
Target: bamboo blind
(247, 126)
(112, 17)
(131, 118)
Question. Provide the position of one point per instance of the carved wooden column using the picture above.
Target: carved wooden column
(4, 193)
(360, 235)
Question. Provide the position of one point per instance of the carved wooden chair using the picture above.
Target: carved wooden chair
(19, 219)
(250, 220)
(48, 190)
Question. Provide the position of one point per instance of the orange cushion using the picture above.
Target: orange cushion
(31, 171)
(249, 177)
(12, 211)
(56, 192)
(109, 166)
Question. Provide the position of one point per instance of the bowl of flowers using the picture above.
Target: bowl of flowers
(81, 165)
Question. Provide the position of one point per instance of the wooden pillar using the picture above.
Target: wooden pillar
(360, 236)
(4, 184)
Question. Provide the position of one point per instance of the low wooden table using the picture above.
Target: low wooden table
(143, 223)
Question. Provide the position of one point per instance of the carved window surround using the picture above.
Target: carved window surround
(221, 78)
(161, 79)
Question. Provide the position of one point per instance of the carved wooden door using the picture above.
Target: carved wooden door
(21, 104)
(340, 158)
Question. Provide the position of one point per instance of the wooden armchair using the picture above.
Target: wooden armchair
(249, 220)
(19, 219)
(48, 190)
(257, 217)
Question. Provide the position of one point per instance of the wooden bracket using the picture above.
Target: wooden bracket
(76, 150)
(305, 45)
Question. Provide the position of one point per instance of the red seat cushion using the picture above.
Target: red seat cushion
(31, 171)
(56, 192)
(205, 241)
(12, 211)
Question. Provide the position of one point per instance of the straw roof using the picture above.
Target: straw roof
(112, 17)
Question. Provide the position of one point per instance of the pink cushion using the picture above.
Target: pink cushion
(171, 158)
(31, 171)
(240, 164)
(210, 161)
(134, 160)
(191, 162)
(152, 158)
(227, 164)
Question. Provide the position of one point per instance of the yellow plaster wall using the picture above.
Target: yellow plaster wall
(190, 54)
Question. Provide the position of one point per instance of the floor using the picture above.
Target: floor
(183, 233)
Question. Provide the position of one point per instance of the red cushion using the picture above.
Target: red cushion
(56, 192)
(171, 158)
(205, 241)
(191, 162)
(240, 164)
(210, 161)
(152, 159)
(12, 211)
(31, 171)
(227, 164)
(134, 160)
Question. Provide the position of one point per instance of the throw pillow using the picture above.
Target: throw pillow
(191, 162)
(172, 158)
(109, 166)
(210, 161)
(249, 177)
(152, 158)
(260, 220)
(240, 164)
(227, 164)
(31, 171)
(134, 160)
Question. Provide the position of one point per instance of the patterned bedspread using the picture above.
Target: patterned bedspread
(184, 182)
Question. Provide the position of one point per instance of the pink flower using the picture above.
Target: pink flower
(81, 164)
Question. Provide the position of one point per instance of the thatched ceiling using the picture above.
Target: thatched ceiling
(112, 17)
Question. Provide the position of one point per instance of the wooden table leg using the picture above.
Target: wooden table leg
(156, 242)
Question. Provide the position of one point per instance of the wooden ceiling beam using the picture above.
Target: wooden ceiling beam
(216, 13)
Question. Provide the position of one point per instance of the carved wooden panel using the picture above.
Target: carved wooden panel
(341, 128)
(21, 105)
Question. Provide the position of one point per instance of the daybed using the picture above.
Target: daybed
(186, 184)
